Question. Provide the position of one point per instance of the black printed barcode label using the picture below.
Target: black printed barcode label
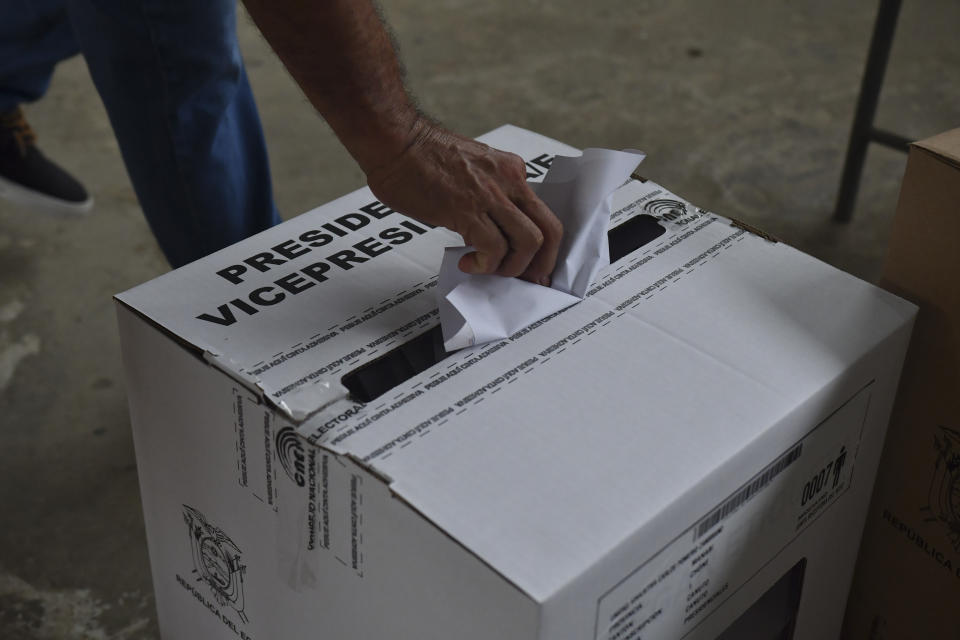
(749, 490)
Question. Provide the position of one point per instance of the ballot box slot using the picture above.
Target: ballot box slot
(372, 380)
(626, 238)
(395, 367)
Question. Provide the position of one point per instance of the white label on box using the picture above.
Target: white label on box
(321, 512)
(342, 524)
(253, 443)
(683, 583)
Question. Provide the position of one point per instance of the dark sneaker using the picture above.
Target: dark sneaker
(28, 178)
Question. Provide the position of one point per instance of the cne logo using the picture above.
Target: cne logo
(668, 210)
(292, 457)
(944, 496)
(216, 561)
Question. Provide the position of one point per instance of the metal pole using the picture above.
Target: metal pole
(860, 134)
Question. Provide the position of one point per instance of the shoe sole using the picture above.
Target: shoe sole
(19, 194)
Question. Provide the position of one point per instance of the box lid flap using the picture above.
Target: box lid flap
(290, 310)
(945, 145)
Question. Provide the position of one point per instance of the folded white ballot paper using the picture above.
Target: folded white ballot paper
(475, 309)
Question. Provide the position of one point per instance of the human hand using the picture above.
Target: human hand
(412, 164)
(444, 179)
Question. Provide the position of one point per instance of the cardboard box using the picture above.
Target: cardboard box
(688, 452)
(908, 576)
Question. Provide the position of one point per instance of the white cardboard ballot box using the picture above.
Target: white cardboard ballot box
(687, 453)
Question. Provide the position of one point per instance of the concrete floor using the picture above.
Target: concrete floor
(743, 107)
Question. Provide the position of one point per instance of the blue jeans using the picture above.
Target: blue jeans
(174, 85)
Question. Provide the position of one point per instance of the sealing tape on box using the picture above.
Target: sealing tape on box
(740, 224)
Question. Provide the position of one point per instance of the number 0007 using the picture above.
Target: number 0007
(814, 486)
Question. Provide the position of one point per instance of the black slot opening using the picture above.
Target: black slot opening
(372, 380)
(626, 238)
(375, 378)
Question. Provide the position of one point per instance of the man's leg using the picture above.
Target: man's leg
(34, 36)
(173, 82)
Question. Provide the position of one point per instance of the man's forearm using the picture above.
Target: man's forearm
(342, 56)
